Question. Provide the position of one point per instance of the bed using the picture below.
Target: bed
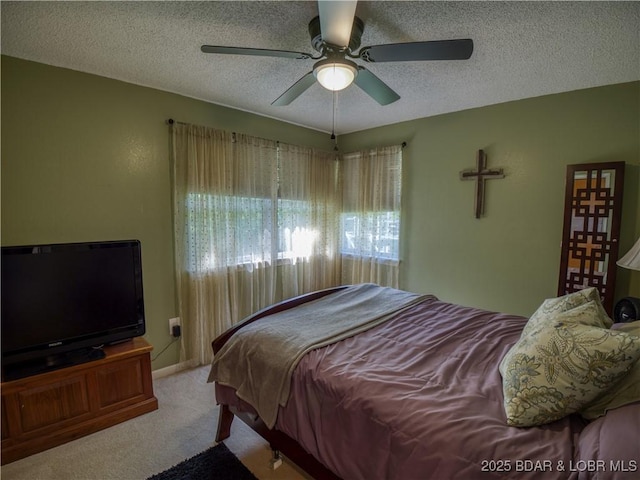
(419, 391)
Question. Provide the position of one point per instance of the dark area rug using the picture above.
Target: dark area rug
(216, 463)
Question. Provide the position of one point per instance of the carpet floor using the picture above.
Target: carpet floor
(183, 426)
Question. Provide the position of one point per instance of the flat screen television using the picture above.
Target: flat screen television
(62, 302)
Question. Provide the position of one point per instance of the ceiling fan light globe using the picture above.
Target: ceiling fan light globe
(335, 76)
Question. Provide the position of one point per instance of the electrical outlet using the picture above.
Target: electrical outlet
(172, 322)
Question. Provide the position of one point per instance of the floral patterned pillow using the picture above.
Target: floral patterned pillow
(554, 306)
(562, 362)
(625, 391)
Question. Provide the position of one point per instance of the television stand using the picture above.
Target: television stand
(45, 410)
(51, 362)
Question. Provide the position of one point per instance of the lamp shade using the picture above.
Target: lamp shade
(335, 75)
(632, 258)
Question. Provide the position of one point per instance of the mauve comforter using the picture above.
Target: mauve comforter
(420, 397)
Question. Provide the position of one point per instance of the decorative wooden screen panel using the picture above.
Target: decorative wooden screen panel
(592, 211)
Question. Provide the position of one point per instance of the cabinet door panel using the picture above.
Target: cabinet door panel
(53, 403)
(120, 382)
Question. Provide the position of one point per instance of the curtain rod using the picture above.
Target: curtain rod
(171, 121)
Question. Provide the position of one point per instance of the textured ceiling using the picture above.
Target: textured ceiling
(522, 49)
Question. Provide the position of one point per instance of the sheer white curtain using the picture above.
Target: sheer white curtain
(225, 191)
(257, 222)
(370, 219)
(308, 212)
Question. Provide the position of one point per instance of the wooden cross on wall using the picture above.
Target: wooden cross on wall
(480, 174)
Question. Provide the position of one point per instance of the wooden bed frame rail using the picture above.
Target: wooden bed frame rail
(278, 440)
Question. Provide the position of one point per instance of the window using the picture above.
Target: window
(370, 220)
(239, 231)
(296, 236)
(371, 234)
(242, 230)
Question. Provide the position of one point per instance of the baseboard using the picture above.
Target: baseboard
(175, 368)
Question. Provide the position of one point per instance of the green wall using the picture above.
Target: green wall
(507, 260)
(87, 158)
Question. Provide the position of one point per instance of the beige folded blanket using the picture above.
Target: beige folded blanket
(258, 360)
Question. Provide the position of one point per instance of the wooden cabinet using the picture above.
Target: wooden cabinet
(46, 410)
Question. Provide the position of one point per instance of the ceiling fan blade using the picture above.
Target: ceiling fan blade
(262, 52)
(374, 87)
(295, 90)
(336, 20)
(418, 51)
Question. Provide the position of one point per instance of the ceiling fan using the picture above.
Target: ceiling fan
(335, 35)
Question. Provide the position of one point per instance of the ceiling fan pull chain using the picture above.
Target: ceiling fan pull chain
(333, 128)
